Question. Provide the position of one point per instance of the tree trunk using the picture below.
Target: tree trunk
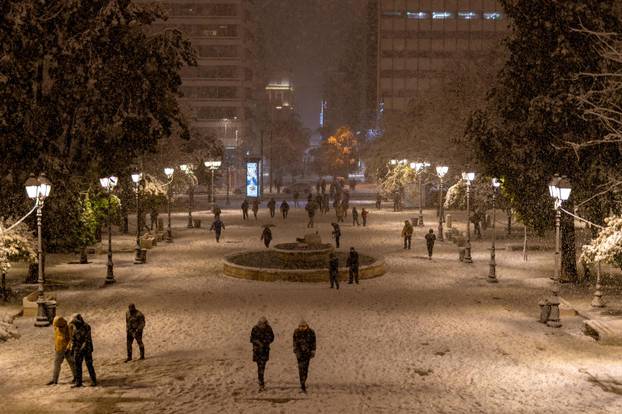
(509, 226)
(125, 225)
(84, 258)
(568, 247)
(98, 233)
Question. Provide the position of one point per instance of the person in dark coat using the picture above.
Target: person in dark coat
(261, 338)
(378, 201)
(364, 214)
(244, 208)
(333, 270)
(310, 207)
(430, 238)
(345, 202)
(218, 226)
(353, 264)
(355, 217)
(255, 207)
(319, 201)
(304, 348)
(266, 236)
(296, 196)
(326, 203)
(272, 206)
(134, 325)
(82, 349)
(407, 234)
(336, 233)
(284, 208)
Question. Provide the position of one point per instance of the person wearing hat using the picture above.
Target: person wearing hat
(304, 349)
(134, 324)
(82, 348)
(333, 270)
(261, 338)
(353, 265)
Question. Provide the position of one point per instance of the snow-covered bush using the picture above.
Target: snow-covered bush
(607, 247)
(16, 245)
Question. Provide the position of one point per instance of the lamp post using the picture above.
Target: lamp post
(597, 300)
(108, 184)
(440, 171)
(492, 274)
(39, 189)
(136, 179)
(187, 168)
(213, 165)
(559, 189)
(168, 171)
(419, 167)
(468, 177)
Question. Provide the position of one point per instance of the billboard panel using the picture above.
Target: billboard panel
(252, 179)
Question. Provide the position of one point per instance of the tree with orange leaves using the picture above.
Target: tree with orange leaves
(337, 155)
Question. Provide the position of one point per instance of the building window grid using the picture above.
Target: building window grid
(445, 14)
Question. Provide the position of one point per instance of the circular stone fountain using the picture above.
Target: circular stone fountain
(304, 261)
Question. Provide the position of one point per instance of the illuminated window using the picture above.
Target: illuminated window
(467, 15)
(441, 15)
(418, 15)
(492, 16)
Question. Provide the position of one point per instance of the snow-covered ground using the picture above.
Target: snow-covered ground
(429, 336)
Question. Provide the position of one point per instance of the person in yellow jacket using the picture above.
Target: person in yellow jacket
(61, 348)
(407, 234)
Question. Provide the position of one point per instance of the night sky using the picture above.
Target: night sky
(306, 37)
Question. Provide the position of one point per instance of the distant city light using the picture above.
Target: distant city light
(467, 15)
(418, 15)
(492, 16)
(437, 15)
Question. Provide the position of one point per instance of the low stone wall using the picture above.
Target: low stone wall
(294, 275)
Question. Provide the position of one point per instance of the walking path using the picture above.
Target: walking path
(429, 336)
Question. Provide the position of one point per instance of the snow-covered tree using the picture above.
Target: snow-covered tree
(607, 247)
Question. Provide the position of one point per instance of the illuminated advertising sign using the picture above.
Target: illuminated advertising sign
(252, 179)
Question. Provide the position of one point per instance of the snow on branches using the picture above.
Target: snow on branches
(607, 247)
(16, 245)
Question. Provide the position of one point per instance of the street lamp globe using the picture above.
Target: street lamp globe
(393, 162)
(403, 162)
(496, 183)
(168, 171)
(217, 164)
(44, 186)
(136, 177)
(553, 186)
(413, 166)
(32, 185)
(564, 188)
(441, 170)
(468, 177)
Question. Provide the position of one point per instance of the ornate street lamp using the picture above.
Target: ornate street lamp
(492, 274)
(213, 166)
(168, 171)
(440, 171)
(187, 168)
(468, 177)
(108, 184)
(137, 177)
(38, 189)
(419, 167)
(559, 189)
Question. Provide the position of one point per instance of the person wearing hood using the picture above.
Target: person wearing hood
(134, 325)
(304, 349)
(266, 236)
(407, 234)
(261, 338)
(82, 348)
(61, 349)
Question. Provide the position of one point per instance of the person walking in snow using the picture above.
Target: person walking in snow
(266, 236)
(255, 207)
(261, 338)
(82, 349)
(310, 207)
(272, 206)
(61, 349)
(339, 213)
(353, 266)
(134, 325)
(217, 226)
(336, 233)
(407, 234)
(378, 201)
(326, 203)
(304, 342)
(244, 208)
(355, 217)
(430, 238)
(296, 196)
(284, 209)
(333, 270)
(364, 214)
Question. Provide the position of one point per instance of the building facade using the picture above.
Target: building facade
(220, 91)
(418, 40)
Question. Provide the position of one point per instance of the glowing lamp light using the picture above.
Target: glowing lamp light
(187, 168)
(104, 182)
(468, 176)
(32, 185)
(496, 183)
(38, 188)
(564, 188)
(441, 170)
(553, 186)
(136, 177)
(393, 162)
